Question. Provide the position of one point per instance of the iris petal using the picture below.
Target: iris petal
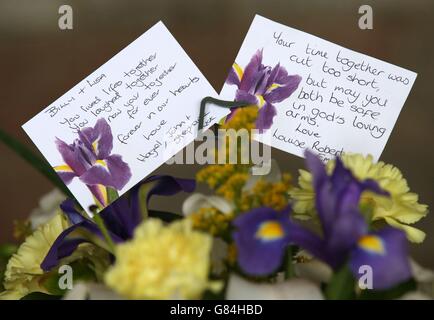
(252, 73)
(65, 173)
(70, 156)
(265, 117)
(99, 138)
(116, 174)
(390, 265)
(337, 200)
(235, 75)
(261, 237)
(262, 86)
(279, 92)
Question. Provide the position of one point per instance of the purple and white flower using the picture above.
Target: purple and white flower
(262, 86)
(89, 159)
(345, 235)
(261, 237)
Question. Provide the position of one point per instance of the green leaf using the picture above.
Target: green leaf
(165, 216)
(143, 198)
(7, 250)
(35, 161)
(341, 285)
(81, 271)
(51, 283)
(102, 227)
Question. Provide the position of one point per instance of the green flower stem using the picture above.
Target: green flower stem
(341, 285)
(164, 216)
(289, 265)
(112, 194)
(101, 225)
(143, 198)
(220, 103)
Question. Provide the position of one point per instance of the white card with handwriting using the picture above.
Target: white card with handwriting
(315, 94)
(124, 120)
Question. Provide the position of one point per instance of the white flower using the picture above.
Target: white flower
(312, 268)
(415, 295)
(293, 289)
(274, 175)
(425, 283)
(48, 207)
(198, 200)
(219, 249)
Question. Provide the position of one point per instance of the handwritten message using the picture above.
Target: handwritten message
(345, 102)
(125, 119)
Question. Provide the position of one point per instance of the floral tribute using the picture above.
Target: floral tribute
(341, 232)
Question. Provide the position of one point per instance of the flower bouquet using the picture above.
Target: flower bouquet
(341, 232)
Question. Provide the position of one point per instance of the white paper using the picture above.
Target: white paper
(372, 97)
(149, 94)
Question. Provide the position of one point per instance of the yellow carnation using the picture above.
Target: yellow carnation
(23, 272)
(399, 210)
(162, 262)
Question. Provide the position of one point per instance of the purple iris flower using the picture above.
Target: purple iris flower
(89, 158)
(262, 86)
(121, 218)
(345, 235)
(261, 237)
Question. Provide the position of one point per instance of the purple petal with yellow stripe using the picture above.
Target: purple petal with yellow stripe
(100, 194)
(386, 253)
(262, 86)
(110, 172)
(235, 75)
(261, 237)
(89, 158)
(99, 138)
(278, 92)
(71, 156)
(65, 174)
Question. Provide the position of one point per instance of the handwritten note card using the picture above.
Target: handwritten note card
(125, 119)
(331, 100)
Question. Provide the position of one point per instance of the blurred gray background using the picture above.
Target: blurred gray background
(39, 62)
